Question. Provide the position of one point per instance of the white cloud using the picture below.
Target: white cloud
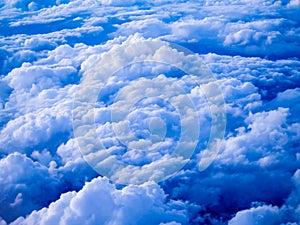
(260, 215)
(2, 222)
(148, 27)
(27, 131)
(99, 202)
(39, 44)
(263, 140)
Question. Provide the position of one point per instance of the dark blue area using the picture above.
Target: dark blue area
(234, 192)
(4, 55)
(5, 114)
(16, 60)
(5, 117)
(269, 92)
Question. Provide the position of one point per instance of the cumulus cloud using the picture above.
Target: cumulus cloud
(99, 202)
(38, 44)
(32, 129)
(260, 215)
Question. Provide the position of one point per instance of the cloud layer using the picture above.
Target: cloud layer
(47, 50)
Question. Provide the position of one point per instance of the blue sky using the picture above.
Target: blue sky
(149, 112)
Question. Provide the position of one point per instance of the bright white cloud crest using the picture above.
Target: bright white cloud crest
(161, 155)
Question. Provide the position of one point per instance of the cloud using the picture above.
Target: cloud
(119, 2)
(260, 215)
(49, 125)
(147, 27)
(268, 126)
(41, 77)
(137, 98)
(38, 44)
(99, 202)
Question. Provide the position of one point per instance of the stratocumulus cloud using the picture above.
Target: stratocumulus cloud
(54, 55)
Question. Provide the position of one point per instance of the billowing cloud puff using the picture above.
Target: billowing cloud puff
(99, 202)
(260, 215)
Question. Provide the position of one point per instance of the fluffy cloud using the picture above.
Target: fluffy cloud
(269, 127)
(37, 125)
(99, 202)
(260, 215)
